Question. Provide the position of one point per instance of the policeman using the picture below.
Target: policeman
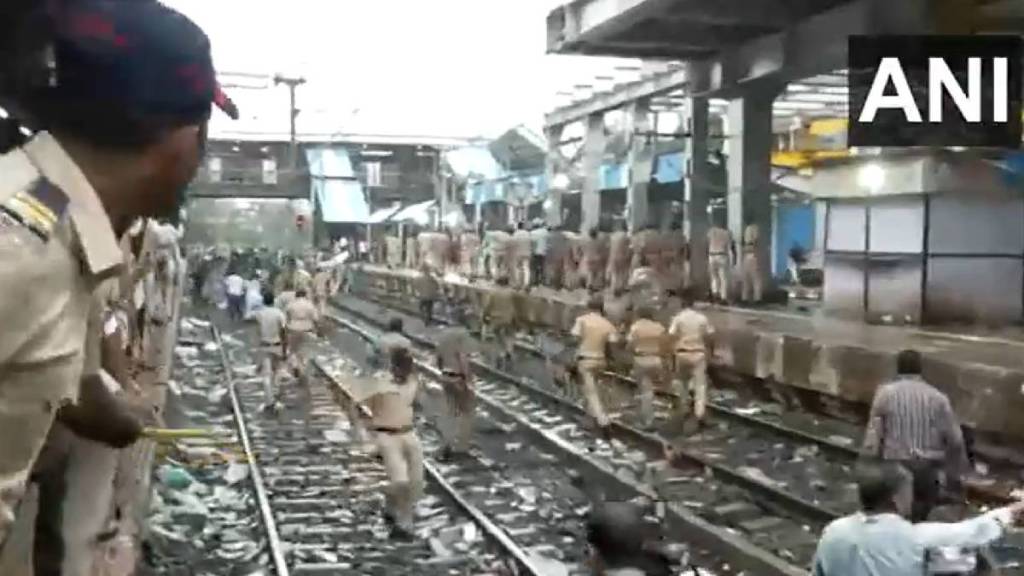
(720, 246)
(453, 350)
(571, 262)
(675, 255)
(691, 334)
(618, 257)
(522, 249)
(411, 251)
(469, 247)
(539, 252)
(392, 338)
(76, 470)
(123, 134)
(594, 333)
(323, 285)
(393, 251)
(640, 247)
(751, 266)
(593, 260)
(302, 279)
(498, 253)
(302, 324)
(392, 407)
(554, 260)
(427, 290)
(499, 314)
(646, 339)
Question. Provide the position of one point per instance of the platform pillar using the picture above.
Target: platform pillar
(641, 163)
(593, 157)
(552, 166)
(698, 190)
(749, 140)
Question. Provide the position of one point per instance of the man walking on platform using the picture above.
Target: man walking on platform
(752, 284)
(692, 344)
(720, 246)
(539, 246)
(618, 258)
(594, 334)
(521, 253)
(427, 291)
(912, 422)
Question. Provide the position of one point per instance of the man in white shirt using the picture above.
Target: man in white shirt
(880, 541)
(234, 285)
(273, 339)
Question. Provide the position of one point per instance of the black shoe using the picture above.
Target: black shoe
(389, 520)
(606, 432)
(447, 455)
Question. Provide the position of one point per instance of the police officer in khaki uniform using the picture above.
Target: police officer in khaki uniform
(521, 250)
(618, 258)
(469, 260)
(323, 285)
(720, 246)
(428, 290)
(752, 286)
(302, 325)
(554, 260)
(393, 251)
(454, 346)
(499, 314)
(124, 135)
(675, 254)
(646, 340)
(571, 272)
(691, 333)
(594, 333)
(593, 264)
(392, 409)
(411, 251)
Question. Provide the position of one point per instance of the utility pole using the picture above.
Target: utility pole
(292, 83)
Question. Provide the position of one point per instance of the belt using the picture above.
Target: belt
(392, 430)
(452, 373)
(270, 344)
(690, 351)
(718, 253)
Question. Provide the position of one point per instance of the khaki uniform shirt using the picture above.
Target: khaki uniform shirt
(469, 243)
(302, 315)
(646, 337)
(751, 234)
(592, 250)
(690, 330)
(322, 283)
(522, 245)
(719, 240)
(498, 243)
(453, 346)
(56, 245)
(427, 287)
(271, 321)
(594, 332)
(392, 404)
(618, 247)
(500, 306)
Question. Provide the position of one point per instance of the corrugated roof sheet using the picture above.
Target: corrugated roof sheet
(333, 185)
(475, 162)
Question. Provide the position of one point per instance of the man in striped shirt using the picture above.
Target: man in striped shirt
(912, 422)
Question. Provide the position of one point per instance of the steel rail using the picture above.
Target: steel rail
(979, 493)
(807, 509)
(712, 535)
(262, 499)
(493, 531)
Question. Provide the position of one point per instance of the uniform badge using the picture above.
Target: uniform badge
(38, 208)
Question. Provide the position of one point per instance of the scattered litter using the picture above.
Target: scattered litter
(236, 473)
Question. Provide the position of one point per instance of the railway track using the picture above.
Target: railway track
(809, 456)
(318, 490)
(695, 505)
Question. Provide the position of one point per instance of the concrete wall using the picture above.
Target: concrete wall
(245, 223)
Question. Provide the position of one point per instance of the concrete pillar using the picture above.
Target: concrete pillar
(552, 165)
(749, 170)
(698, 189)
(640, 161)
(593, 157)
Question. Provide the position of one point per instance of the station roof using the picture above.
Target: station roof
(671, 29)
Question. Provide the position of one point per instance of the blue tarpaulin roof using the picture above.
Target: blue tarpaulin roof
(474, 162)
(668, 168)
(614, 176)
(334, 186)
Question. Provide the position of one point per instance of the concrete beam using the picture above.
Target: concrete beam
(569, 23)
(593, 156)
(813, 46)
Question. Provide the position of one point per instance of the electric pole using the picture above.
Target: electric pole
(292, 83)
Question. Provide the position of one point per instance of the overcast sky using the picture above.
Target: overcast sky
(414, 67)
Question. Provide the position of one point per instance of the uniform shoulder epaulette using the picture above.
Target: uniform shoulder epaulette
(38, 207)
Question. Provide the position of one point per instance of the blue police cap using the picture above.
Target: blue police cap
(140, 55)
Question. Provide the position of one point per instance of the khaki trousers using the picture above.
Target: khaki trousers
(553, 272)
(618, 274)
(500, 266)
(718, 269)
(403, 462)
(752, 285)
(646, 370)
(692, 379)
(270, 364)
(593, 274)
(590, 373)
(298, 342)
